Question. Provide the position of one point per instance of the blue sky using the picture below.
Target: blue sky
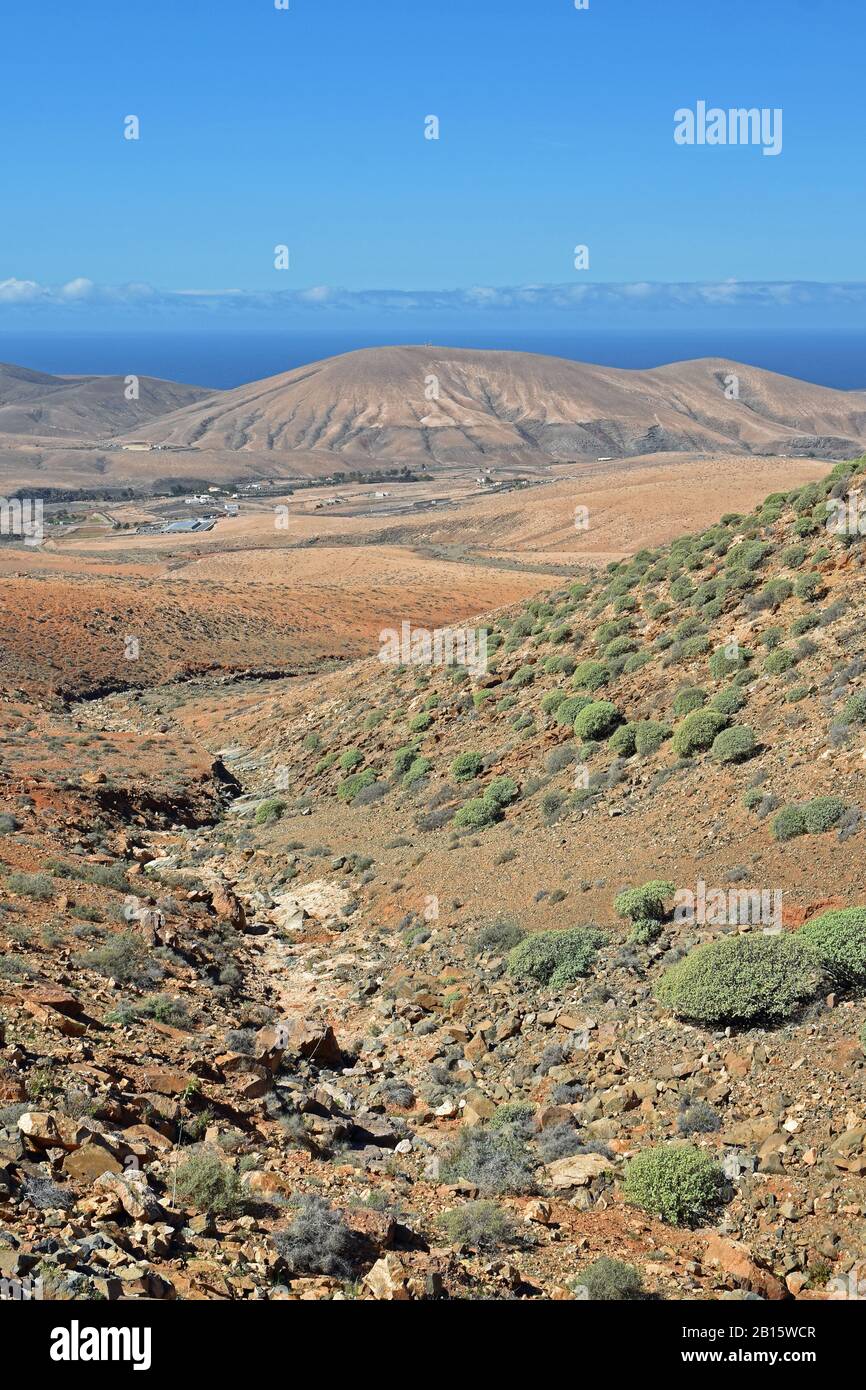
(306, 127)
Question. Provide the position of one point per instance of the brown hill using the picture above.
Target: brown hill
(381, 403)
(36, 403)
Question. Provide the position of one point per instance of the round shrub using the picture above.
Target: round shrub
(466, 766)
(649, 736)
(419, 722)
(350, 759)
(623, 741)
(741, 980)
(591, 675)
(691, 697)
(403, 759)
(555, 958)
(823, 813)
(648, 901)
(477, 813)
(676, 1182)
(551, 701)
(839, 941)
(697, 732)
(789, 823)
(780, 661)
(610, 1281)
(727, 702)
(502, 791)
(597, 721)
(734, 745)
(569, 709)
(349, 789)
(724, 662)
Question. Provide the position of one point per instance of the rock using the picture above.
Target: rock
(736, 1259)
(388, 1280)
(89, 1162)
(46, 1129)
(316, 1042)
(131, 1190)
(577, 1171)
(225, 903)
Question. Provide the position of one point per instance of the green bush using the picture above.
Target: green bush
(727, 702)
(569, 709)
(623, 741)
(351, 759)
(524, 675)
(810, 587)
(209, 1185)
(597, 721)
(780, 661)
(724, 663)
(648, 901)
(478, 813)
(493, 1160)
(480, 1225)
(839, 940)
(697, 732)
(555, 958)
(349, 789)
(591, 675)
(551, 701)
(502, 791)
(269, 811)
(788, 823)
(676, 1182)
(734, 745)
(854, 711)
(404, 758)
(649, 737)
(418, 768)
(466, 766)
(419, 722)
(741, 980)
(610, 1281)
(498, 937)
(823, 813)
(691, 697)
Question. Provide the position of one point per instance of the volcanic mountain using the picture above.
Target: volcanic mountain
(36, 403)
(445, 406)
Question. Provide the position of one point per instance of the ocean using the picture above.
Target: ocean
(220, 358)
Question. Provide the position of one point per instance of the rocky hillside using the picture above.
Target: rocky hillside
(481, 988)
(37, 403)
(417, 405)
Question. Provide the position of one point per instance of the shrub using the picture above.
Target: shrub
(349, 789)
(697, 732)
(502, 791)
(649, 737)
(569, 709)
(623, 741)
(789, 823)
(121, 957)
(466, 766)
(741, 980)
(478, 813)
(839, 940)
(419, 722)
(8, 825)
(645, 931)
(823, 813)
(350, 759)
(698, 1117)
(205, 1182)
(38, 886)
(691, 697)
(318, 1241)
(524, 675)
(725, 662)
(734, 745)
(481, 1225)
(403, 759)
(591, 675)
(269, 811)
(854, 711)
(727, 702)
(648, 901)
(493, 1160)
(418, 768)
(677, 1183)
(610, 1281)
(551, 701)
(597, 721)
(555, 958)
(498, 937)
(810, 587)
(780, 661)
